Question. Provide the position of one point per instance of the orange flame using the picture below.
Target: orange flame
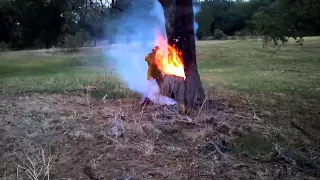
(169, 59)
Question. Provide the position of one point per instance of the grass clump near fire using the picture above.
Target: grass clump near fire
(260, 119)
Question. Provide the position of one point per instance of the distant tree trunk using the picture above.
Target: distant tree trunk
(180, 26)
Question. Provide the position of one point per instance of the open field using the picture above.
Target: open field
(261, 120)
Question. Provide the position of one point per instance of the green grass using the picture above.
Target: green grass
(289, 77)
(58, 72)
(238, 65)
(247, 67)
(21, 72)
(242, 66)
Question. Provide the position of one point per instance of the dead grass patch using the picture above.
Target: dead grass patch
(113, 139)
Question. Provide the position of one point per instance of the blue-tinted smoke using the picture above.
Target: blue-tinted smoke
(196, 9)
(133, 36)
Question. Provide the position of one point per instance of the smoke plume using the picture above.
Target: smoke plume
(133, 35)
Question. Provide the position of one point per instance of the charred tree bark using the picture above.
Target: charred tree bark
(174, 87)
(180, 33)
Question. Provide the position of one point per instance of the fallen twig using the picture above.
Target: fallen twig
(254, 116)
(113, 140)
(142, 109)
(188, 122)
(205, 100)
(303, 131)
(37, 165)
(217, 149)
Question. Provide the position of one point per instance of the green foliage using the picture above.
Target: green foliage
(276, 21)
(227, 16)
(3, 46)
(288, 19)
(74, 41)
(41, 24)
(29, 24)
(33, 21)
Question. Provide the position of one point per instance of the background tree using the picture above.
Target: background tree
(45, 23)
(286, 19)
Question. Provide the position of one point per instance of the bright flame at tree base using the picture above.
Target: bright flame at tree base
(169, 59)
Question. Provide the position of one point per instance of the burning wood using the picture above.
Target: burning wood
(168, 61)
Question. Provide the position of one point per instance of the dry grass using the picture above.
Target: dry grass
(155, 144)
(35, 166)
(111, 138)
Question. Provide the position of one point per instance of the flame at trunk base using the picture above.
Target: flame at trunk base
(169, 59)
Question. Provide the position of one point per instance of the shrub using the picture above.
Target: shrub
(3, 46)
(218, 35)
(74, 41)
(234, 37)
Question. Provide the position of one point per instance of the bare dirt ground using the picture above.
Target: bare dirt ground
(118, 139)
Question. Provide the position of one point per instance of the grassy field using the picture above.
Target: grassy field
(272, 95)
(285, 80)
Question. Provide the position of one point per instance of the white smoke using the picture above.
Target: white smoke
(134, 35)
(196, 9)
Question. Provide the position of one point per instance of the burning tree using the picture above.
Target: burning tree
(179, 17)
(177, 57)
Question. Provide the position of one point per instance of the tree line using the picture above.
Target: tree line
(29, 24)
(275, 20)
(46, 23)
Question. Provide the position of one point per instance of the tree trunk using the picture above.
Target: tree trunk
(174, 87)
(180, 34)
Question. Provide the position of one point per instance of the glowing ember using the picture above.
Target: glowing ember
(169, 59)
